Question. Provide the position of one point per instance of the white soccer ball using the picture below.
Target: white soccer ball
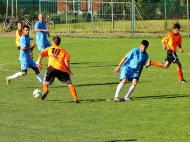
(37, 93)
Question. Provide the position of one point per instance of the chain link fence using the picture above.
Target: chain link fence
(107, 16)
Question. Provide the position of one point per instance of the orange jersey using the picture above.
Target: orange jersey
(172, 41)
(57, 57)
(18, 35)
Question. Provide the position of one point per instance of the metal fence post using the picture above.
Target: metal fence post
(188, 17)
(132, 18)
(40, 10)
(112, 15)
(165, 15)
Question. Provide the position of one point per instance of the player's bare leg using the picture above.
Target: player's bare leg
(118, 90)
(165, 65)
(131, 89)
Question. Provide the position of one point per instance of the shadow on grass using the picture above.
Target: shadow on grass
(172, 96)
(93, 64)
(127, 140)
(81, 101)
(90, 84)
(168, 96)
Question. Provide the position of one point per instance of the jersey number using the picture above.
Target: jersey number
(55, 52)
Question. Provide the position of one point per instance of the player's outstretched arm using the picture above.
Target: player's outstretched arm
(117, 69)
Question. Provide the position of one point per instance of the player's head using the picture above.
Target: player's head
(176, 28)
(19, 26)
(56, 40)
(144, 45)
(40, 17)
(25, 29)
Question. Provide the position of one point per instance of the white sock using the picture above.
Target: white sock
(118, 90)
(131, 89)
(40, 77)
(16, 75)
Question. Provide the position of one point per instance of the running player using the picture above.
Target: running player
(130, 67)
(58, 66)
(171, 41)
(25, 58)
(18, 35)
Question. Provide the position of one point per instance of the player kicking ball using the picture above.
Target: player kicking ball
(58, 66)
(171, 41)
(130, 67)
(25, 58)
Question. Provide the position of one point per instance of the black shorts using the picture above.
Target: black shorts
(52, 73)
(172, 57)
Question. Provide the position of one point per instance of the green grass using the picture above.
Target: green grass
(159, 110)
(141, 26)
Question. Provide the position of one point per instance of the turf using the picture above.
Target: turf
(159, 110)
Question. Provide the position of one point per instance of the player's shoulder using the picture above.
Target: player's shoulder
(135, 49)
(22, 37)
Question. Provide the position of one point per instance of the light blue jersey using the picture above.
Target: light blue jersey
(24, 57)
(41, 39)
(133, 64)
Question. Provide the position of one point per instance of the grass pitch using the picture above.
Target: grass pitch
(159, 110)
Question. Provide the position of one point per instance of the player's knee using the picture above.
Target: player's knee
(36, 70)
(165, 66)
(24, 73)
(123, 81)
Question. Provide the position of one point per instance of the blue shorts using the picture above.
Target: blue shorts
(27, 64)
(43, 44)
(128, 74)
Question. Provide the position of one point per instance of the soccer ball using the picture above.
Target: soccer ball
(37, 93)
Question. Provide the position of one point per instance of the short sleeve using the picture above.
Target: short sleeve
(37, 25)
(130, 53)
(23, 42)
(165, 38)
(45, 52)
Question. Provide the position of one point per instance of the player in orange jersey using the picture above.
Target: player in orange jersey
(171, 41)
(58, 66)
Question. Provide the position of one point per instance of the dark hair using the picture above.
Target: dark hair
(57, 40)
(145, 43)
(25, 26)
(19, 22)
(176, 26)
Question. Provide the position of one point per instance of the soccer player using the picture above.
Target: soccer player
(171, 41)
(18, 34)
(41, 34)
(130, 67)
(58, 66)
(25, 58)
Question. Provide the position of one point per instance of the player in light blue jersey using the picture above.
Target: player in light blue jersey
(130, 67)
(25, 58)
(41, 34)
